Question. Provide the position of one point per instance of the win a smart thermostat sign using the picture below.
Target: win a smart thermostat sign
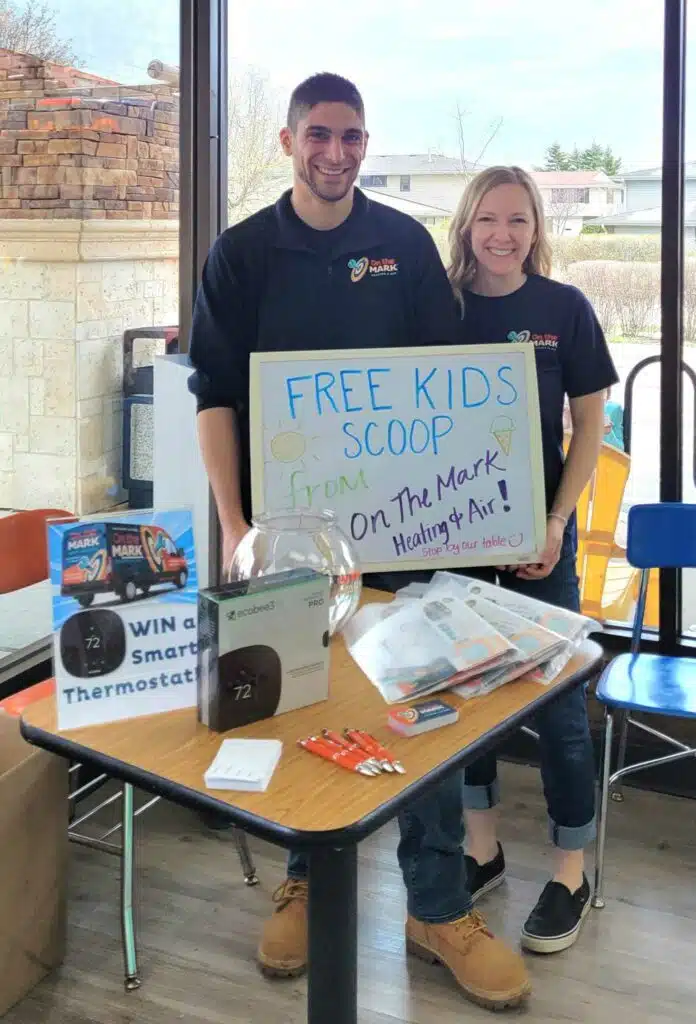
(125, 616)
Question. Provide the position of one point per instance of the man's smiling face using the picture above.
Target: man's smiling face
(327, 149)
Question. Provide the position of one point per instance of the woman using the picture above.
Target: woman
(500, 262)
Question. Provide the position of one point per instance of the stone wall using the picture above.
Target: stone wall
(88, 249)
(68, 291)
(83, 151)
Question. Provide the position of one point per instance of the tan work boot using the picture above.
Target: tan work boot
(489, 972)
(282, 952)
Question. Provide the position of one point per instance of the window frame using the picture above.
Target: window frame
(373, 181)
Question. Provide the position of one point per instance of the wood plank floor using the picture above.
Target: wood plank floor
(198, 925)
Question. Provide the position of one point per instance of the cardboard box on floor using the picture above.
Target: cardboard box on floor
(33, 862)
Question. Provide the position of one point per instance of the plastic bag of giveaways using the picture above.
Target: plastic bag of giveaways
(573, 626)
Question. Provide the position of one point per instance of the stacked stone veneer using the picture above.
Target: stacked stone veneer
(77, 150)
(88, 248)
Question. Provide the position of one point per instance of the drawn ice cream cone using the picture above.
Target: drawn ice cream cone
(502, 429)
(504, 439)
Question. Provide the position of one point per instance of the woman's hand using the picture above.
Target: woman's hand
(549, 557)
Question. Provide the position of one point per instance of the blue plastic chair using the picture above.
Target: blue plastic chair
(659, 537)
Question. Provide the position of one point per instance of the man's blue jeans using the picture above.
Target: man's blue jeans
(430, 850)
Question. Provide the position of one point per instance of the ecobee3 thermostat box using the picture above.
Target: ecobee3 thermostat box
(263, 647)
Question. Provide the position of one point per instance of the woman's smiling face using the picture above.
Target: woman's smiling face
(503, 231)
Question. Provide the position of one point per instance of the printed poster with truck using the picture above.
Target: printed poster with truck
(125, 615)
(429, 457)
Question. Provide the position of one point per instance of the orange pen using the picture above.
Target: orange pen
(341, 744)
(341, 741)
(370, 745)
(339, 755)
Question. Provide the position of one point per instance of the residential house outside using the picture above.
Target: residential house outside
(642, 213)
(431, 216)
(571, 198)
(429, 178)
(574, 198)
(644, 187)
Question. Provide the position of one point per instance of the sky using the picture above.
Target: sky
(579, 72)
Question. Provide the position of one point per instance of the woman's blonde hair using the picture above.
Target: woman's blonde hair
(462, 266)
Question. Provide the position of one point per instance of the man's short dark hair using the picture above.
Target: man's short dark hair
(322, 88)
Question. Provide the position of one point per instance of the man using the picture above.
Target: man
(292, 277)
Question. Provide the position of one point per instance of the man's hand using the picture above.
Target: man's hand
(232, 535)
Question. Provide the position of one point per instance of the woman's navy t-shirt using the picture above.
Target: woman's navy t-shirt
(572, 355)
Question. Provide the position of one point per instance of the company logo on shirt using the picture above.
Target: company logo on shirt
(358, 268)
(376, 268)
(545, 341)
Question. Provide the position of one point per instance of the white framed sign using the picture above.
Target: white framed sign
(125, 615)
(430, 457)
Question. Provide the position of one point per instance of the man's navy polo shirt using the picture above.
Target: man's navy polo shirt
(271, 283)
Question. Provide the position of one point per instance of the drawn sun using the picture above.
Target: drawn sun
(289, 447)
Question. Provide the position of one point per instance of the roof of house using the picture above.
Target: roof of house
(655, 173)
(650, 218)
(437, 164)
(565, 179)
(409, 206)
(415, 163)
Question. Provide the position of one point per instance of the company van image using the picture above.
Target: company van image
(122, 558)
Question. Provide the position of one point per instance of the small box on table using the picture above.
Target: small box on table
(263, 647)
(422, 717)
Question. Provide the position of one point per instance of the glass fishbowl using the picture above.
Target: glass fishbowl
(298, 539)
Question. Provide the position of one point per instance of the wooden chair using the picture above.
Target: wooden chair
(608, 584)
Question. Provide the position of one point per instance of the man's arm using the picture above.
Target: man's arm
(219, 353)
(436, 309)
(219, 443)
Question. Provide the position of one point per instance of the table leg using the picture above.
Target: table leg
(248, 866)
(132, 979)
(598, 895)
(332, 989)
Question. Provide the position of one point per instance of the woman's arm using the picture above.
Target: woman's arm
(587, 414)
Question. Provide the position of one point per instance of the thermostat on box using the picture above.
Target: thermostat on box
(263, 647)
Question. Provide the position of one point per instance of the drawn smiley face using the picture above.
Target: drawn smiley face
(515, 540)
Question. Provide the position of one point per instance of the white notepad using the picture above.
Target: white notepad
(244, 764)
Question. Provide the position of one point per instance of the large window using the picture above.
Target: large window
(89, 210)
(89, 229)
(458, 112)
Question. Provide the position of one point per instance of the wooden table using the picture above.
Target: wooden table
(310, 804)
